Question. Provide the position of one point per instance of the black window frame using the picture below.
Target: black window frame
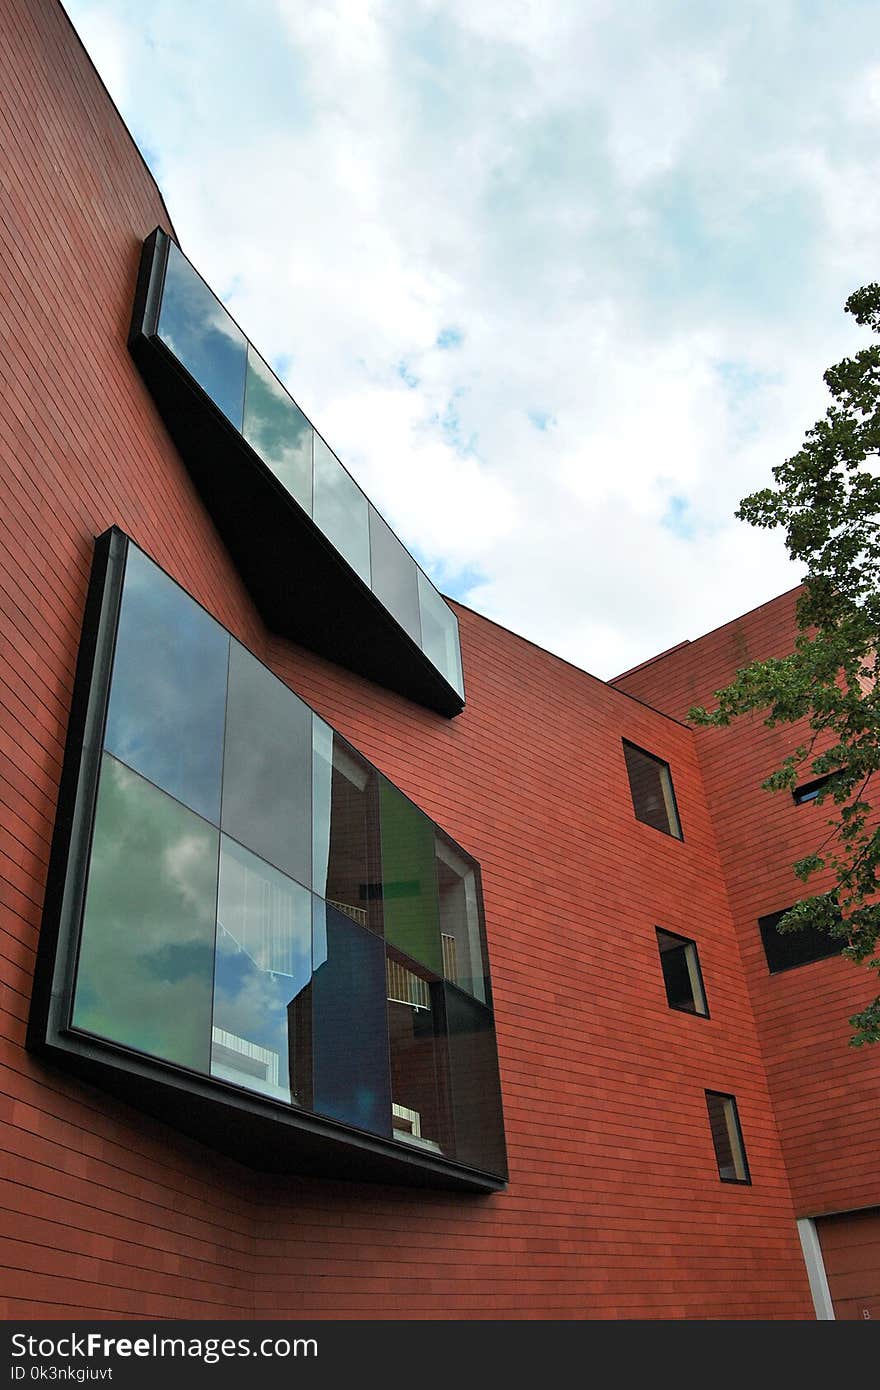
(808, 791)
(727, 1096)
(664, 766)
(774, 941)
(683, 941)
(251, 1128)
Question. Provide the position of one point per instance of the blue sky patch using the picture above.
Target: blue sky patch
(449, 338)
(678, 519)
(407, 375)
(541, 419)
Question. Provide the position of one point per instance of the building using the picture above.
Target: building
(276, 1094)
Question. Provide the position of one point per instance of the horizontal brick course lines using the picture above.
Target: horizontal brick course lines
(824, 1092)
(614, 1207)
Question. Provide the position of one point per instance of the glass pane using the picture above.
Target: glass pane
(147, 949)
(409, 882)
(787, 949)
(440, 641)
(350, 1038)
(341, 510)
(168, 697)
(395, 576)
(345, 809)
(420, 1106)
(263, 963)
(267, 772)
(651, 787)
(276, 428)
(202, 336)
(475, 1084)
(726, 1137)
(681, 973)
(460, 920)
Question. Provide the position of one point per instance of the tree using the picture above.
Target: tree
(827, 499)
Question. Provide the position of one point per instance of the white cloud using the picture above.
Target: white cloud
(642, 224)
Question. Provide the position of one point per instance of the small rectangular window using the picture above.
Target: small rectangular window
(653, 796)
(810, 790)
(785, 950)
(727, 1138)
(681, 973)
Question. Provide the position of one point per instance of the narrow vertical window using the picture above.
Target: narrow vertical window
(727, 1137)
(650, 783)
(682, 976)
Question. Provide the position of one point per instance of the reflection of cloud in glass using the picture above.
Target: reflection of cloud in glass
(200, 333)
(267, 772)
(168, 698)
(440, 633)
(263, 963)
(146, 956)
(341, 510)
(277, 429)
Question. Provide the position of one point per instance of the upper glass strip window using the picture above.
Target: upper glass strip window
(203, 336)
(196, 328)
(277, 430)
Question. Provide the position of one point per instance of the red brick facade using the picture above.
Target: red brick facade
(824, 1092)
(614, 1207)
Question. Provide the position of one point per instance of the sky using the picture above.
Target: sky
(557, 281)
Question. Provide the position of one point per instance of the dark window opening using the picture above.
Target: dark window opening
(810, 790)
(785, 950)
(682, 976)
(653, 795)
(727, 1138)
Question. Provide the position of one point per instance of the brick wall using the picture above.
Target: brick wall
(824, 1092)
(851, 1251)
(614, 1207)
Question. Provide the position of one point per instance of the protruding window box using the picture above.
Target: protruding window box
(323, 567)
(249, 931)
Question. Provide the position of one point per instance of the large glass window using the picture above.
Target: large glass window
(422, 1113)
(263, 964)
(189, 334)
(650, 783)
(267, 772)
(409, 880)
(395, 576)
(440, 641)
(277, 430)
(341, 510)
(350, 1036)
(200, 333)
(146, 955)
(474, 1082)
(264, 909)
(167, 705)
(346, 867)
(461, 934)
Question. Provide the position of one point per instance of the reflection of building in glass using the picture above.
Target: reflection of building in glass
(288, 990)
